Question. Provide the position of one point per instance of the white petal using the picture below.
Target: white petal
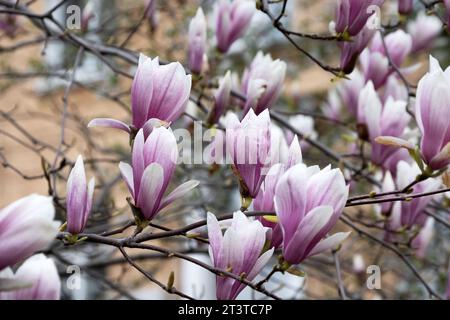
(179, 192)
(329, 243)
(109, 123)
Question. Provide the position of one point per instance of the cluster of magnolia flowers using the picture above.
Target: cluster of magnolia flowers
(305, 201)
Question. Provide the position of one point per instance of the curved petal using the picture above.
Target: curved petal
(138, 160)
(307, 232)
(161, 147)
(260, 263)
(76, 197)
(127, 174)
(109, 123)
(151, 190)
(89, 198)
(329, 243)
(215, 237)
(142, 89)
(179, 192)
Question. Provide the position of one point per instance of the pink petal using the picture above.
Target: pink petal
(109, 123)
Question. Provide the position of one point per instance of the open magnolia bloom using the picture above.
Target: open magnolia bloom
(221, 98)
(374, 60)
(197, 41)
(232, 19)
(432, 114)
(390, 119)
(308, 203)
(39, 280)
(158, 92)
(153, 164)
(26, 226)
(240, 250)
(425, 29)
(264, 201)
(411, 213)
(262, 82)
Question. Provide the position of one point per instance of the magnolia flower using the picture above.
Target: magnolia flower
(388, 120)
(423, 239)
(262, 82)
(308, 203)
(281, 151)
(405, 6)
(153, 164)
(197, 42)
(391, 162)
(26, 226)
(221, 98)
(232, 20)
(424, 29)
(158, 92)
(349, 91)
(433, 114)
(332, 107)
(350, 50)
(374, 60)
(410, 213)
(352, 15)
(78, 198)
(239, 250)
(248, 145)
(41, 276)
(395, 88)
(388, 185)
(304, 125)
(264, 201)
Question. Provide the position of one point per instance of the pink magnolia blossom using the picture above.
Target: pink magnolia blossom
(308, 203)
(349, 91)
(248, 145)
(411, 213)
(232, 20)
(221, 98)
(262, 82)
(350, 50)
(432, 114)
(423, 239)
(158, 92)
(197, 42)
(424, 29)
(264, 201)
(388, 120)
(374, 60)
(240, 249)
(40, 273)
(79, 198)
(153, 164)
(352, 15)
(26, 226)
